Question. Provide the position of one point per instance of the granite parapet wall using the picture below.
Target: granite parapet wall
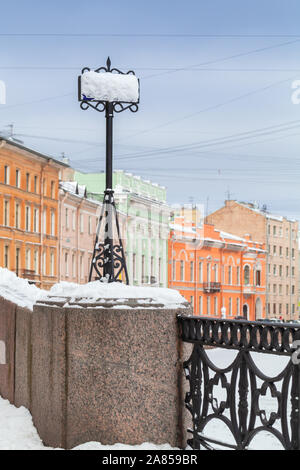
(107, 375)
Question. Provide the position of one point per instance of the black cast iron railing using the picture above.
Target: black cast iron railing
(243, 383)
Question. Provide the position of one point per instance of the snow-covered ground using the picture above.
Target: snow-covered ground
(17, 432)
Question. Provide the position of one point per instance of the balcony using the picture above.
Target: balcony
(210, 287)
(249, 290)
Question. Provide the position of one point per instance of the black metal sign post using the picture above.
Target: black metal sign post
(108, 261)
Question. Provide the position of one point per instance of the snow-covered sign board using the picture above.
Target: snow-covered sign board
(108, 86)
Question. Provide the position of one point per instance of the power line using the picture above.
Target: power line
(155, 35)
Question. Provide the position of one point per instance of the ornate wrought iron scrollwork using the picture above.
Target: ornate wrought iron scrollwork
(244, 383)
(108, 257)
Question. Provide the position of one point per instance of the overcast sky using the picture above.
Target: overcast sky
(215, 114)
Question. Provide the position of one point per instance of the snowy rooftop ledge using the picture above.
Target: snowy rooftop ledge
(115, 295)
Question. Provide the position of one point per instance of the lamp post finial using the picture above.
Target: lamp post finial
(108, 64)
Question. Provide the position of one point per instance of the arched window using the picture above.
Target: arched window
(247, 275)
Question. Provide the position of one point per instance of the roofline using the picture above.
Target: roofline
(35, 152)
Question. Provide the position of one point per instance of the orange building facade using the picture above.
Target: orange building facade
(29, 213)
(220, 274)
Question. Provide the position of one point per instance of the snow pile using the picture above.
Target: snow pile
(18, 290)
(17, 432)
(110, 86)
(95, 291)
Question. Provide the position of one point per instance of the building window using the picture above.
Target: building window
(53, 223)
(27, 219)
(6, 174)
(152, 267)
(27, 181)
(67, 218)
(238, 306)
(6, 256)
(52, 190)
(44, 263)
(274, 250)
(274, 309)
(81, 266)
(258, 277)
(73, 265)
(287, 271)
(247, 275)
(208, 272)
(6, 213)
(229, 275)
(215, 268)
(45, 221)
(17, 215)
(208, 305)
(35, 220)
(73, 220)
(192, 271)
(274, 288)
(81, 223)
(35, 184)
(200, 305)
(274, 230)
(143, 269)
(274, 270)
(287, 252)
(18, 178)
(182, 270)
(36, 261)
(18, 251)
(51, 263)
(230, 306)
(90, 225)
(200, 272)
(28, 258)
(134, 267)
(280, 270)
(67, 264)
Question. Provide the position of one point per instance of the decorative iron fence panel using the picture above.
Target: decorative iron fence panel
(243, 383)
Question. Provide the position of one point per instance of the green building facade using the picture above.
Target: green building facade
(144, 223)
